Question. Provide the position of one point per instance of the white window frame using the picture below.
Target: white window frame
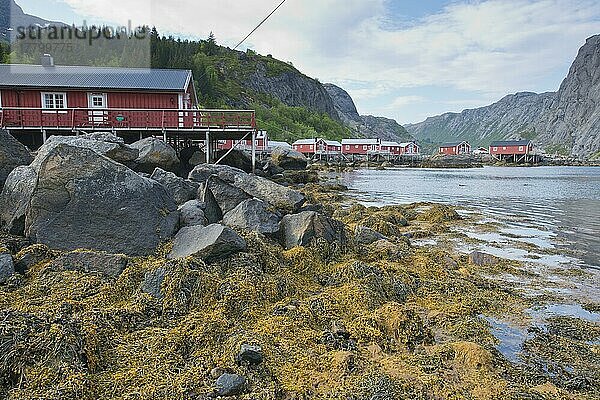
(347, 146)
(91, 99)
(520, 148)
(310, 147)
(495, 149)
(364, 146)
(503, 147)
(54, 94)
(0, 99)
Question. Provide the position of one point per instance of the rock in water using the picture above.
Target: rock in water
(253, 215)
(192, 213)
(483, 259)
(209, 243)
(230, 385)
(12, 154)
(104, 143)
(288, 159)
(300, 229)
(155, 153)
(7, 268)
(181, 189)
(87, 261)
(80, 199)
(364, 235)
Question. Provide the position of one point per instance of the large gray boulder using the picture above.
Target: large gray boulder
(253, 215)
(87, 261)
(104, 143)
(155, 153)
(212, 209)
(181, 189)
(289, 159)
(14, 199)
(191, 213)
(226, 195)
(250, 185)
(81, 199)
(209, 243)
(12, 154)
(300, 229)
(7, 268)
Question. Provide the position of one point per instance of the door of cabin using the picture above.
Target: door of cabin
(98, 113)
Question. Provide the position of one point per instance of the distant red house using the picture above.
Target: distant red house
(360, 146)
(317, 146)
(409, 148)
(514, 147)
(261, 142)
(455, 148)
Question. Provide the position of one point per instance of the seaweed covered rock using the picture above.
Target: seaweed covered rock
(81, 199)
(104, 143)
(240, 184)
(300, 229)
(364, 235)
(32, 255)
(288, 159)
(155, 153)
(253, 215)
(12, 154)
(209, 243)
(192, 213)
(181, 189)
(7, 268)
(110, 265)
(483, 259)
(438, 213)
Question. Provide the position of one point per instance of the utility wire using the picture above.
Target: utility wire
(259, 25)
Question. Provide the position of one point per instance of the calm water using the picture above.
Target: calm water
(550, 207)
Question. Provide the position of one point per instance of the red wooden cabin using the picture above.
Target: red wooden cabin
(456, 148)
(514, 147)
(317, 146)
(70, 98)
(261, 143)
(360, 146)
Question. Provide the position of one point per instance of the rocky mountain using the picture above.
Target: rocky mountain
(566, 122)
(365, 125)
(292, 88)
(12, 16)
(573, 120)
(513, 116)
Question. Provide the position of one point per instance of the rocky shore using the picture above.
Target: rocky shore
(120, 279)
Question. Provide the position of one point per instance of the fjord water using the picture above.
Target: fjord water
(557, 207)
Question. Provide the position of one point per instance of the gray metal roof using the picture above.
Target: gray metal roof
(77, 77)
(453, 144)
(500, 143)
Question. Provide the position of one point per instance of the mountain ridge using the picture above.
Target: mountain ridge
(566, 121)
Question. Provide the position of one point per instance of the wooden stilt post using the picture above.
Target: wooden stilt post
(254, 151)
(207, 147)
(44, 136)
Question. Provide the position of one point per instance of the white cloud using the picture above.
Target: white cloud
(489, 47)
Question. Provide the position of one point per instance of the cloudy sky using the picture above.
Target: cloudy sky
(397, 58)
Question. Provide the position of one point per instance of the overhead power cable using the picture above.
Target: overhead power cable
(259, 25)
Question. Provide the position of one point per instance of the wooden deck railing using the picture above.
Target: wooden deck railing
(126, 119)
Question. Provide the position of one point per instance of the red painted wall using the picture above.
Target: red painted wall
(357, 151)
(511, 149)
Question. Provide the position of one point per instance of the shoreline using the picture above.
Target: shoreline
(360, 309)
